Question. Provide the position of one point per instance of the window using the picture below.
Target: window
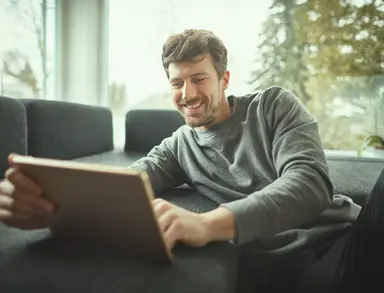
(26, 48)
(329, 53)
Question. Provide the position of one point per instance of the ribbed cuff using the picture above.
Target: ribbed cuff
(251, 219)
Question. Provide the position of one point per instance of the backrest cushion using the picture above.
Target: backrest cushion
(13, 130)
(146, 128)
(64, 130)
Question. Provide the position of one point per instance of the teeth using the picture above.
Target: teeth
(193, 106)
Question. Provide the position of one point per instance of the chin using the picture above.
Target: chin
(197, 122)
(194, 122)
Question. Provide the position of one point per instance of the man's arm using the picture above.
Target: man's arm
(300, 193)
(219, 224)
(302, 190)
(162, 166)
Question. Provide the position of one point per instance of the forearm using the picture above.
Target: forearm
(163, 170)
(220, 224)
(162, 175)
(290, 201)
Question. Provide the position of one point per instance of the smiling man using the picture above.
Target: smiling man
(198, 91)
(260, 158)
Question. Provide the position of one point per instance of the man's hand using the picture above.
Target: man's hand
(21, 202)
(178, 224)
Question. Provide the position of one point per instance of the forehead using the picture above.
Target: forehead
(185, 69)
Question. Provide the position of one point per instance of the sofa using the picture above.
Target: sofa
(34, 261)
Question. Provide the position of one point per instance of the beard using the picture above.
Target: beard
(205, 117)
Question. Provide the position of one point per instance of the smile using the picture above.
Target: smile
(193, 106)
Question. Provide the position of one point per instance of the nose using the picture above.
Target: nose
(189, 91)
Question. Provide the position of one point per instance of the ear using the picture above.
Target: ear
(225, 79)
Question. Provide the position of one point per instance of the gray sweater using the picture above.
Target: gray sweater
(265, 163)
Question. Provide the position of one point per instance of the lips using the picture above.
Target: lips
(193, 105)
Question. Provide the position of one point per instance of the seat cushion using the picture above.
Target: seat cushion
(13, 130)
(117, 157)
(36, 262)
(354, 176)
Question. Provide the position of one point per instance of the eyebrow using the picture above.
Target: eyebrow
(192, 75)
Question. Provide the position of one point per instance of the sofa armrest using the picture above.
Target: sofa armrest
(354, 177)
(146, 128)
(64, 130)
(13, 130)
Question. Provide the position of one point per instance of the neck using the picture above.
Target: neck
(225, 112)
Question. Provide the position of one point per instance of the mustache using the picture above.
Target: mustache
(191, 101)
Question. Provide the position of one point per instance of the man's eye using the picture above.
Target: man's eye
(199, 80)
(177, 85)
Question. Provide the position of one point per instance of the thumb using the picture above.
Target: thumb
(10, 157)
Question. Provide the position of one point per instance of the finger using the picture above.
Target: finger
(173, 234)
(158, 201)
(7, 215)
(10, 158)
(18, 206)
(21, 181)
(39, 203)
(8, 189)
(160, 207)
(165, 220)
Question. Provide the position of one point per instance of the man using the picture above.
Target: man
(258, 156)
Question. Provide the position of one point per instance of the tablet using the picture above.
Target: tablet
(102, 204)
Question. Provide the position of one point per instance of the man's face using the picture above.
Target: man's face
(197, 92)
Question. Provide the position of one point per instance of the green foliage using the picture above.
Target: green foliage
(373, 141)
(280, 52)
(326, 51)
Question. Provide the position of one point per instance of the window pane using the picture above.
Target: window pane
(329, 53)
(26, 48)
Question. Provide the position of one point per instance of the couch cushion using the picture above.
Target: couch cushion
(189, 199)
(146, 128)
(63, 130)
(13, 130)
(33, 261)
(117, 157)
(354, 176)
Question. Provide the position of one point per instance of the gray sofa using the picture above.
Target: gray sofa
(33, 261)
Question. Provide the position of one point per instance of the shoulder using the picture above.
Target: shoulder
(277, 96)
(268, 97)
(275, 105)
(282, 108)
(276, 100)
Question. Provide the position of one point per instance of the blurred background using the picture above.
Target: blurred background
(330, 53)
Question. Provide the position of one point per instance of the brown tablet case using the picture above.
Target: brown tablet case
(104, 205)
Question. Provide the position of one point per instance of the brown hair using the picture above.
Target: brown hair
(191, 43)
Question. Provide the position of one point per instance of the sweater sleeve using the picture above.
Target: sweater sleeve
(302, 189)
(162, 166)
